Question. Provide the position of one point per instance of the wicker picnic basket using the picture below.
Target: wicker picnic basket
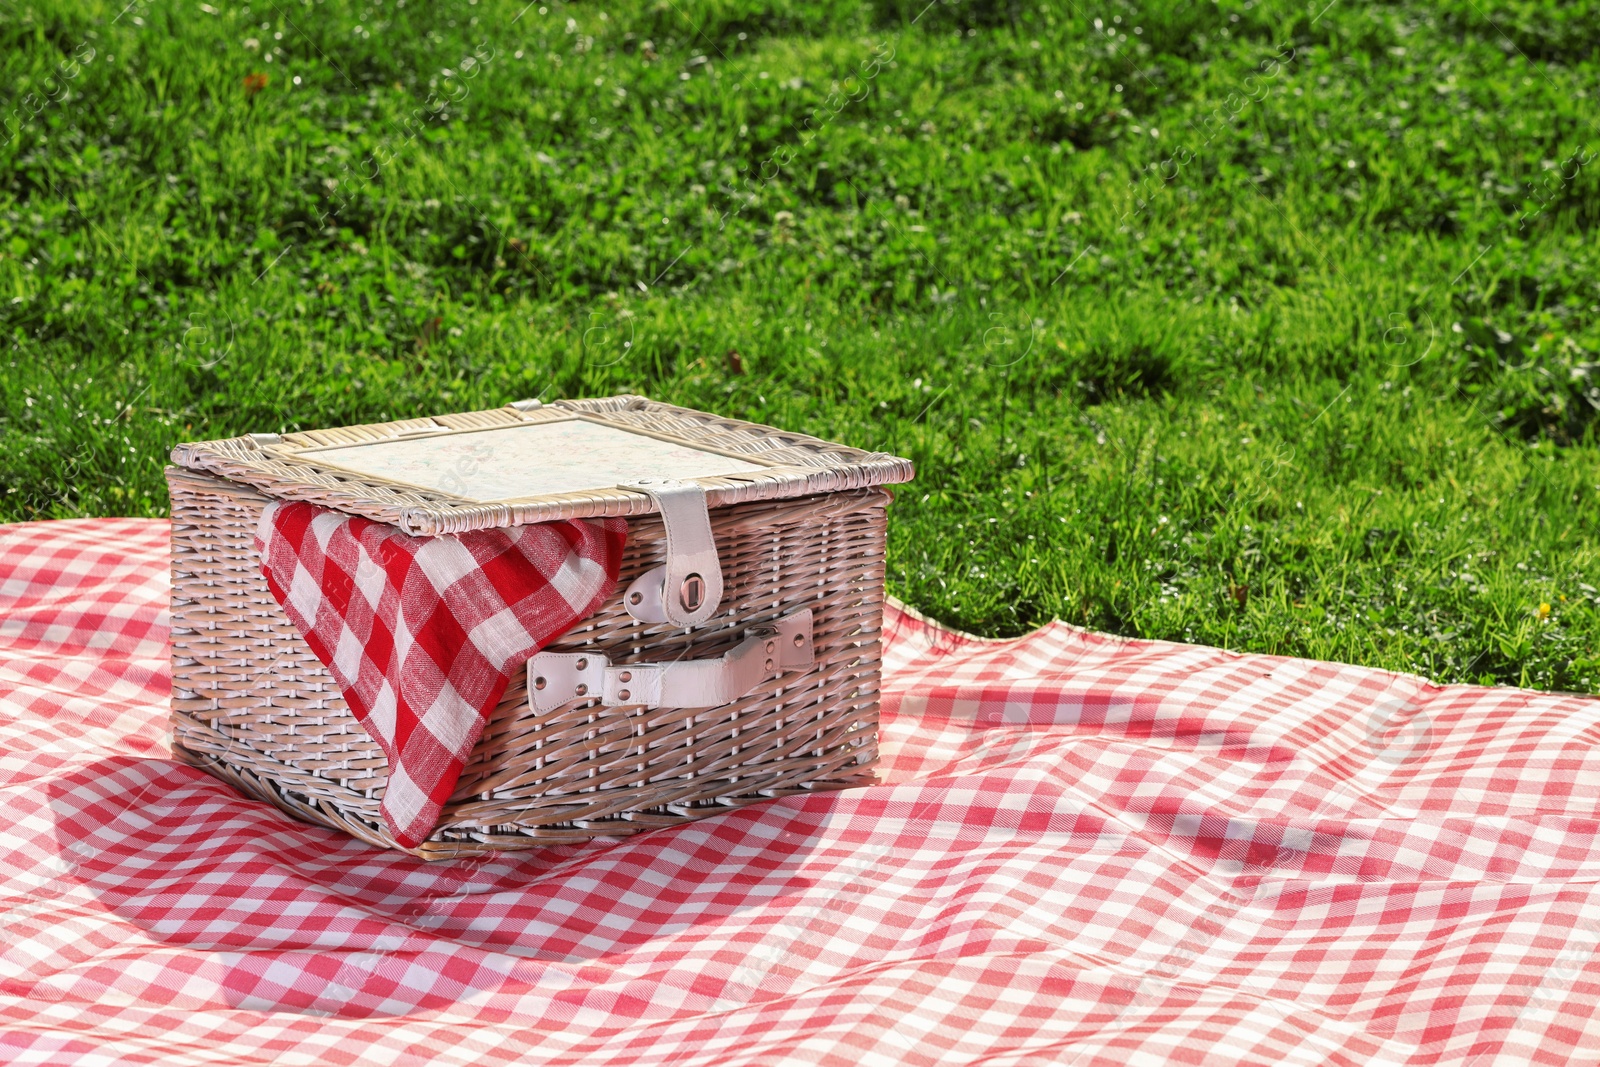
(781, 668)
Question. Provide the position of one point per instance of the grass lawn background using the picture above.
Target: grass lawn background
(1268, 326)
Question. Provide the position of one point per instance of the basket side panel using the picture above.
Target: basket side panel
(250, 701)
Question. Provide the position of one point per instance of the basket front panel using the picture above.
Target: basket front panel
(253, 705)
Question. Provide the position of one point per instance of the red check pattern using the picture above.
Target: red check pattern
(1085, 851)
(422, 633)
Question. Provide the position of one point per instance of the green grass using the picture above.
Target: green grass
(1221, 322)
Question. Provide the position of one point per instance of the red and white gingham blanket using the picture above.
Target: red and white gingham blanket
(422, 633)
(1085, 850)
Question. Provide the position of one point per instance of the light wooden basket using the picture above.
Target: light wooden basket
(253, 705)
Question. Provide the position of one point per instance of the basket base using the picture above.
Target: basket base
(306, 808)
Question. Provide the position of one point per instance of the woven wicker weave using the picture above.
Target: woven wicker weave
(253, 705)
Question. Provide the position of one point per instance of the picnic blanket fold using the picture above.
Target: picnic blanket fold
(423, 633)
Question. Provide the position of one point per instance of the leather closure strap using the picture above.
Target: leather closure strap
(691, 583)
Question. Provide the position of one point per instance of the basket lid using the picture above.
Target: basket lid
(532, 462)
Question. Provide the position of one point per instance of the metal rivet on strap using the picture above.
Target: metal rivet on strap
(693, 593)
(626, 676)
(623, 694)
(538, 683)
(799, 639)
(583, 664)
(769, 664)
(582, 689)
(636, 598)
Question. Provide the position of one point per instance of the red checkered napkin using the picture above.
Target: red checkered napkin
(422, 633)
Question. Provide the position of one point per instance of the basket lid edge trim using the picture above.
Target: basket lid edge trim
(426, 512)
